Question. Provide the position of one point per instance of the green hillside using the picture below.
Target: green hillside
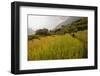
(75, 26)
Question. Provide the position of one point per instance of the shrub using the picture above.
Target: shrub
(42, 32)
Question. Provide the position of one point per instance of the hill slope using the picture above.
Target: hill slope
(78, 25)
(68, 21)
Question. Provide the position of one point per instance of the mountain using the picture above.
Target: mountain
(68, 21)
(73, 26)
(30, 31)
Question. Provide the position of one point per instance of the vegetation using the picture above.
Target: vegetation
(42, 32)
(67, 42)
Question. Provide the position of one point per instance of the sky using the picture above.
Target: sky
(36, 22)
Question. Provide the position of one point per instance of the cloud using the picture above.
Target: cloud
(50, 22)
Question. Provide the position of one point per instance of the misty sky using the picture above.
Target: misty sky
(36, 22)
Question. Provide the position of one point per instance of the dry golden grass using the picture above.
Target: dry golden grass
(56, 47)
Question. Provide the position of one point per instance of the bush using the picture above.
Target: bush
(30, 37)
(42, 32)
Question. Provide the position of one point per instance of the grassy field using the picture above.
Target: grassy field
(83, 37)
(58, 47)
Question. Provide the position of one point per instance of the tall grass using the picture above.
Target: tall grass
(83, 37)
(56, 47)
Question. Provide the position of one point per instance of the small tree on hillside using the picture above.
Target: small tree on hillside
(42, 32)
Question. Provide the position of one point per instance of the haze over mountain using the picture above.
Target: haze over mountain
(30, 31)
(44, 21)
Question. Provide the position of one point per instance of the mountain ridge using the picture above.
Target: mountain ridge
(68, 21)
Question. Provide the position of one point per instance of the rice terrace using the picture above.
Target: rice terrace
(57, 37)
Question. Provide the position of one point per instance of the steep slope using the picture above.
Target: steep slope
(68, 21)
(78, 25)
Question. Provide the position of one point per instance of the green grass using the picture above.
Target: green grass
(58, 47)
(83, 37)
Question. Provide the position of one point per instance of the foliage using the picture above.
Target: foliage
(42, 32)
(30, 37)
(75, 26)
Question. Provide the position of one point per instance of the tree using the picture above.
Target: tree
(42, 32)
